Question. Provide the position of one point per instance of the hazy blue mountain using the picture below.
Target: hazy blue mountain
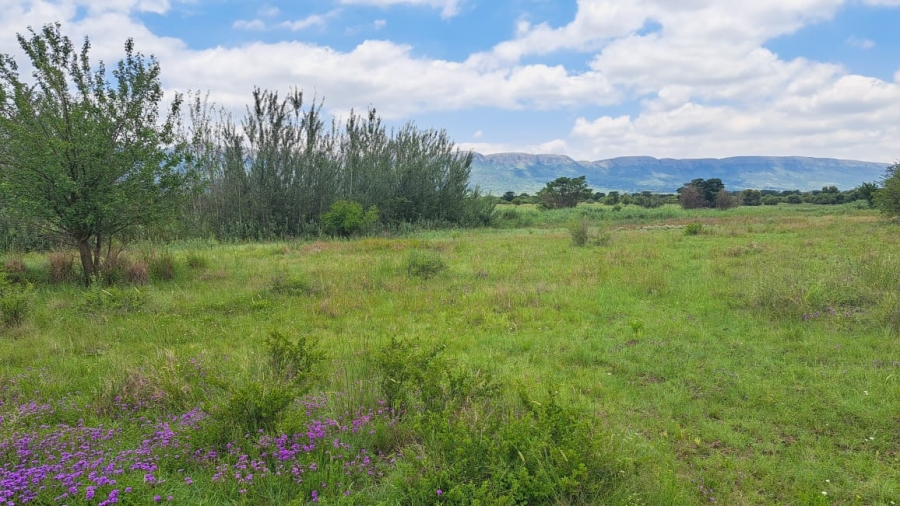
(522, 172)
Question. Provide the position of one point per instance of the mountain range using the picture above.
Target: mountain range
(522, 172)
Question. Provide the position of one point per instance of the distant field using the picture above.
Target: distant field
(750, 356)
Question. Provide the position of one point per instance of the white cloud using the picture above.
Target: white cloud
(704, 83)
(449, 8)
(860, 43)
(256, 24)
(302, 24)
(380, 73)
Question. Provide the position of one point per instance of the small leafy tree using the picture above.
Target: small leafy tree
(346, 218)
(867, 191)
(751, 197)
(700, 193)
(887, 199)
(564, 192)
(84, 153)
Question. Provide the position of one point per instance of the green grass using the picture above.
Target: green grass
(755, 362)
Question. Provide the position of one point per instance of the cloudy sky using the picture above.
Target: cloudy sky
(591, 79)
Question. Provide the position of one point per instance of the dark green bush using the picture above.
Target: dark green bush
(293, 360)
(346, 218)
(693, 229)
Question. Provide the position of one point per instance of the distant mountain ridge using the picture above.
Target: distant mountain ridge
(523, 172)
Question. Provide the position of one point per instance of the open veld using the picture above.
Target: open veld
(749, 356)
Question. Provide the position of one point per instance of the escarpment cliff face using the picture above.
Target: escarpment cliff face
(522, 172)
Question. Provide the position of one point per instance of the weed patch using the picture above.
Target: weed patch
(424, 264)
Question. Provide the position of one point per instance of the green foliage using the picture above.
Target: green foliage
(751, 197)
(162, 266)
(253, 406)
(408, 372)
(540, 453)
(83, 155)
(887, 199)
(259, 402)
(15, 301)
(700, 193)
(346, 218)
(293, 285)
(302, 165)
(293, 360)
(564, 192)
(478, 209)
(693, 229)
(580, 232)
(197, 260)
(98, 298)
(866, 192)
(424, 263)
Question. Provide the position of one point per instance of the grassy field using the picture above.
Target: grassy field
(679, 357)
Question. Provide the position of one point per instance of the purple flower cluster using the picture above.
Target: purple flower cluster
(79, 463)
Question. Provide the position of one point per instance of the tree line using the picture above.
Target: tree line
(711, 193)
(285, 167)
(88, 157)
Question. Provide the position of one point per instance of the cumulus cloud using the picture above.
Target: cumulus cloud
(304, 23)
(449, 8)
(699, 82)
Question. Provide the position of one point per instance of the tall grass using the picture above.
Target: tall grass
(753, 363)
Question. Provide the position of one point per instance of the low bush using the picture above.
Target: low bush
(693, 229)
(580, 232)
(424, 264)
(99, 298)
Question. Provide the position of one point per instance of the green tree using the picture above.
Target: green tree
(700, 193)
(751, 197)
(564, 192)
(84, 151)
(867, 191)
(887, 199)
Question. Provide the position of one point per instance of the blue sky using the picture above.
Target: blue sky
(591, 79)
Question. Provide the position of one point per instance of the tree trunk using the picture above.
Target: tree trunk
(87, 259)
